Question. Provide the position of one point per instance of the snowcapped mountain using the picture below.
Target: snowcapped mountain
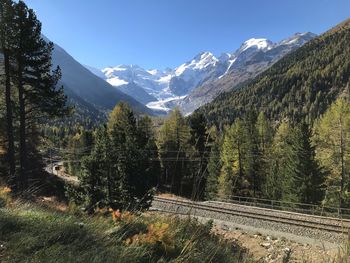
(201, 68)
(256, 43)
(202, 78)
(252, 58)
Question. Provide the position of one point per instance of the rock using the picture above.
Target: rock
(287, 249)
(266, 245)
(112, 231)
(225, 227)
(80, 224)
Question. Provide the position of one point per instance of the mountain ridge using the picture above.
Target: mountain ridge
(198, 81)
(301, 85)
(89, 87)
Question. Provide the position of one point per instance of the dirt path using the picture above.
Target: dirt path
(272, 249)
(268, 246)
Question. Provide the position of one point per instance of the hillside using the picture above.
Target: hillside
(52, 232)
(301, 85)
(89, 87)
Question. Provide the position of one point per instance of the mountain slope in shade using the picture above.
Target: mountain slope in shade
(136, 92)
(95, 71)
(299, 86)
(88, 86)
(84, 113)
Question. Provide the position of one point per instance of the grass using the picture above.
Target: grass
(344, 253)
(32, 233)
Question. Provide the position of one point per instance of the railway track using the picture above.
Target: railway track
(318, 223)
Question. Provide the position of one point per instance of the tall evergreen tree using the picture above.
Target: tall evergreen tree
(174, 150)
(277, 184)
(122, 130)
(6, 41)
(265, 137)
(200, 140)
(332, 137)
(150, 165)
(251, 154)
(295, 175)
(214, 166)
(36, 83)
(95, 176)
(307, 174)
(232, 179)
(121, 171)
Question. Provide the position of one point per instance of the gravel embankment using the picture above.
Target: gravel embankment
(312, 233)
(284, 214)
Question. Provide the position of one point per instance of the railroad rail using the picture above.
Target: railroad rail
(320, 223)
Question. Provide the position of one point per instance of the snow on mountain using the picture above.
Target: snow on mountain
(298, 39)
(115, 81)
(201, 61)
(172, 87)
(252, 58)
(166, 104)
(259, 43)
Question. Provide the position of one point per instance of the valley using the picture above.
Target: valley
(237, 152)
(201, 79)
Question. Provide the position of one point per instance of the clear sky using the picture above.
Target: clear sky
(166, 33)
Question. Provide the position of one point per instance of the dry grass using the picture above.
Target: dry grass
(49, 231)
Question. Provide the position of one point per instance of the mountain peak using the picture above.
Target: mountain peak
(204, 55)
(259, 43)
(202, 60)
(298, 39)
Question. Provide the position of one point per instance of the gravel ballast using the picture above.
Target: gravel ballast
(194, 209)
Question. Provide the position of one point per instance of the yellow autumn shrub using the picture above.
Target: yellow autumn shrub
(157, 234)
(125, 217)
(5, 196)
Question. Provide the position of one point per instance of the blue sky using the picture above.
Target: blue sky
(166, 33)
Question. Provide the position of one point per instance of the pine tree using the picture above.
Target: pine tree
(122, 130)
(121, 171)
(265, 136)
(332, 137)
(252, 155)
(149, 153)
(277, 184)
(174, 150)
(214, 167)
(232, 180)
(200, 140)
(95, 173)
(265, 133)
(308, 176)
(35, 82)
(6, 41)
(295, 175)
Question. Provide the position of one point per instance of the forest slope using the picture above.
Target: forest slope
(300, 86)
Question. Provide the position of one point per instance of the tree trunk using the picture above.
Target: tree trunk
(9, 119)
(22, 133)
(342, 179)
